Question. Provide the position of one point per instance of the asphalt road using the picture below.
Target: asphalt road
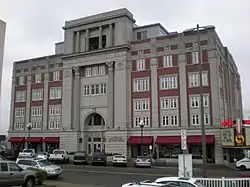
(114, 177)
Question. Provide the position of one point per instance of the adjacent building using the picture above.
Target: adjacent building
(109, 74)
(2, 39)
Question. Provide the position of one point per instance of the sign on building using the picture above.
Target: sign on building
(183, 139)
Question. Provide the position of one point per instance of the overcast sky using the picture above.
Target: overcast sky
(33, 26)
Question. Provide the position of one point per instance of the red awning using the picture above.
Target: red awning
(136, 140)
(34, 139)
(51, 140)
(16, 139)
(168, 140)
(210, 139)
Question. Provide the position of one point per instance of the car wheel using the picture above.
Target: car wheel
(30, 182)
(243, 168)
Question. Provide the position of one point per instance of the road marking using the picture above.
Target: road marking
(116, 173)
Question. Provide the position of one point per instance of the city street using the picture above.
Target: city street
(113, 177)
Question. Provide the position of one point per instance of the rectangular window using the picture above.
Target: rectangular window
(194, 80)
(36, 125)
(169, 82)
(21, 80)
(56, 76)
(103, 89)
(204, 79)
(37, 95)
(141, 85)
(88, 72)
(55, 110)
(137, 121)
(19, 126)
(95, 71)
(206, 100)
(38, 78)
(86, 89)
(206, 119)
(140, 65)
(174, 120)
(19, 112)
(195, 101)
(140, 105)
(36, 111)
(55, 93)
(195, 57)
(94, 89)
(169, 103)
(54, 124)
(20, 96)
(164, 121)
(195, 119)
(168, 61)
(102, 70)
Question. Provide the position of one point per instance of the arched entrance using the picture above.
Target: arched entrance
(95, 134)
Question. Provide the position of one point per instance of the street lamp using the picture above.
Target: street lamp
(141, 124)
(29, 127)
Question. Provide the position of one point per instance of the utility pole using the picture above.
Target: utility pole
(203, 131)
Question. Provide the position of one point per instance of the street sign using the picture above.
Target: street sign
(183, 139)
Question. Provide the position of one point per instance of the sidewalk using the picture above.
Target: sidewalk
(51, 183)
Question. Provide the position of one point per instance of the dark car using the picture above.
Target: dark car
(99, 158)
(80, 157)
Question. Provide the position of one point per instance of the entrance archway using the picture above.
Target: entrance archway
(94, 119)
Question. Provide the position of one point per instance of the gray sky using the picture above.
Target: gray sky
(33, 26)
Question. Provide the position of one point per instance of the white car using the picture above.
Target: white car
(143, 161)
(43, 155)
(119, 160)
(42, 164)
(27, 153)
(243, 164)
(145, 184)
(180, 181)
(59, 155)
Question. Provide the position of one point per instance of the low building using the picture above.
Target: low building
(109, 74)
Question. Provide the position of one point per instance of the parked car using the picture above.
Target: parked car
(143, 161)
(99, 158)
(59, 155)
(13, 175)
(180, 181)
(146, 184)
(80, 158)
(51, 171)
(43, 155)
(27, 153)
(119, 160)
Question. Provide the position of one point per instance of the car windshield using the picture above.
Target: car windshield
(43, 163)
(80, 154)
(142, 157)
(58, 152)
(119, 156)
(199, 184)
(27, 151)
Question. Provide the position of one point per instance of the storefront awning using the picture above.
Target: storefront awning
(136, 140)
(34, 139)
(193, 140)
(16, 139)
(168, 140)
(51, 140)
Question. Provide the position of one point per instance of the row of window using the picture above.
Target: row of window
(38, 78)
(37, 94)
(171, 82)
(37, 125)
(95, 71)
(168, 61)
(38, 111)
(172, 120)
(95, 89)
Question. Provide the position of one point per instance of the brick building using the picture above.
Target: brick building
(109, 73)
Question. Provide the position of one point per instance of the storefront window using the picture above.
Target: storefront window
(169, 151)
(196, 151)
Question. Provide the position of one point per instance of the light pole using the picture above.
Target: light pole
(29, 127)
(141, 124)
(203, 132)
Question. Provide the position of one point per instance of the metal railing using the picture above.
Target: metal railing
(225, 182)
